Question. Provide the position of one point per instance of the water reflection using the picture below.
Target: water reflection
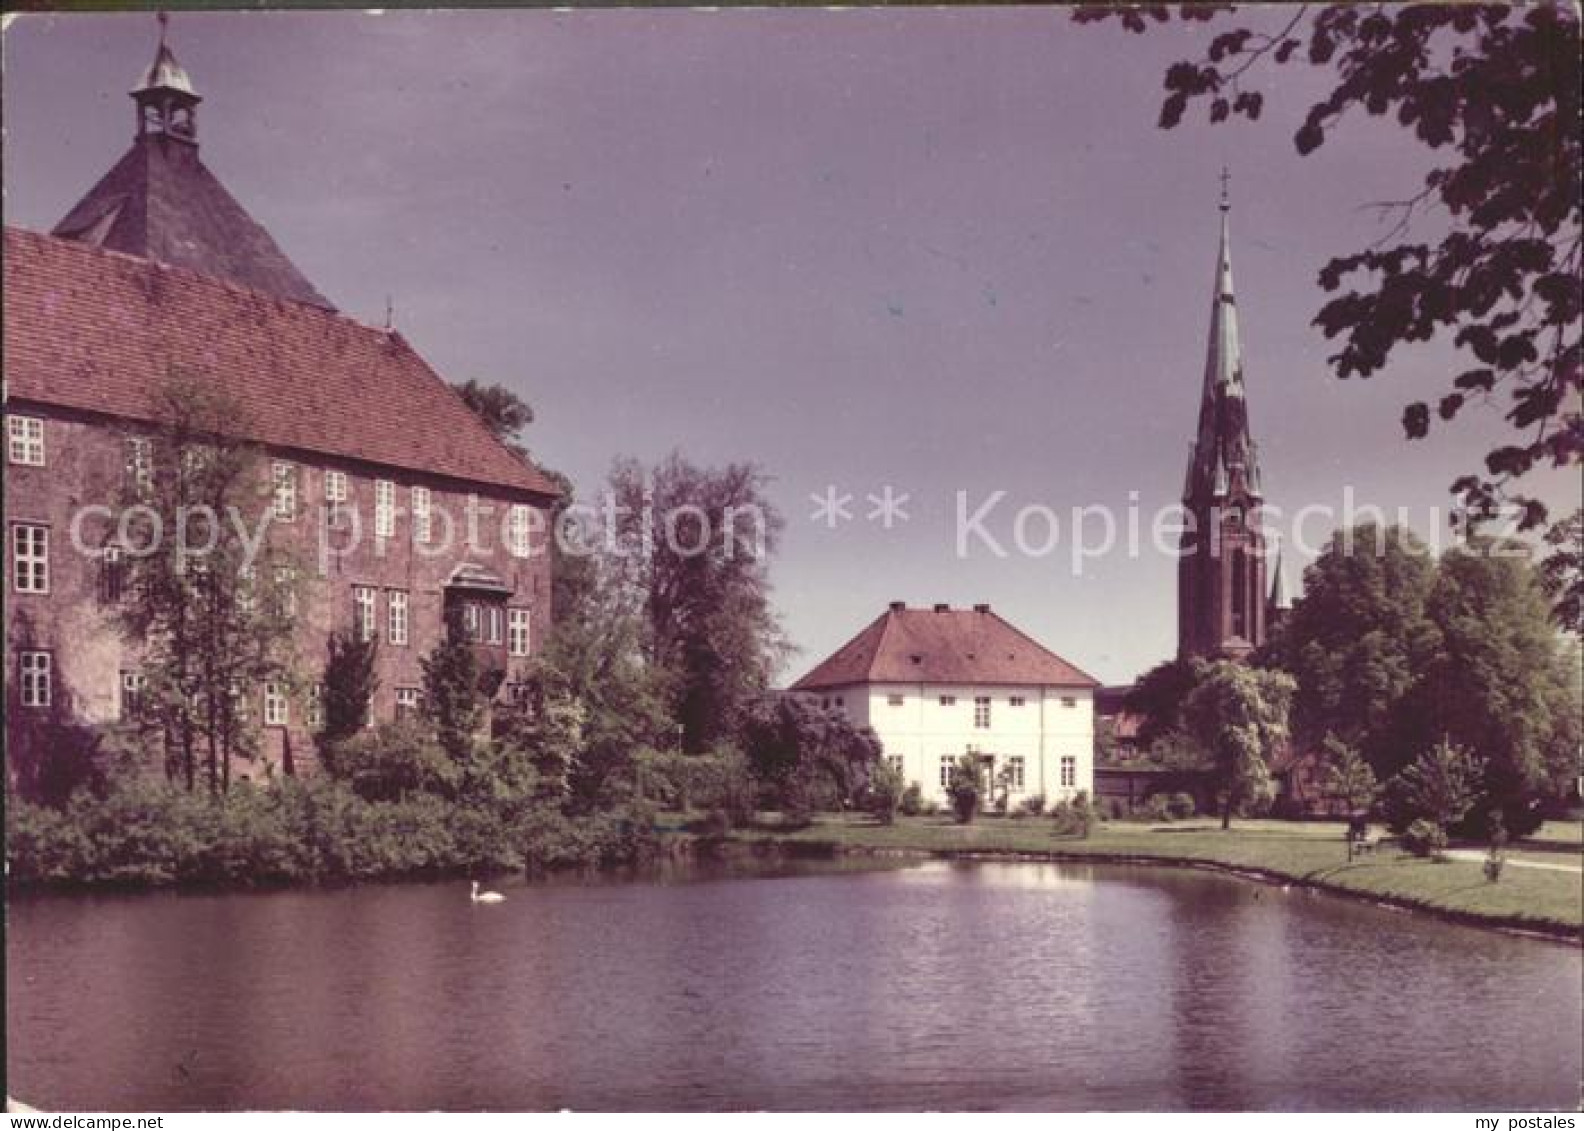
(821, 984)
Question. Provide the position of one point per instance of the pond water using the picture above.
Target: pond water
(941, 985)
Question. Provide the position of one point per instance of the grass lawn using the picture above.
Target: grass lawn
(1308, 852)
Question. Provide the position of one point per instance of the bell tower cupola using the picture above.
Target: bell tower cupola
(167, 104)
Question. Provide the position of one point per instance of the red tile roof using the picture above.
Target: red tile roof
(97, 331)
(958, 646)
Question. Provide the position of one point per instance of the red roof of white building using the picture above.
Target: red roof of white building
(944, 646)
(99, 331)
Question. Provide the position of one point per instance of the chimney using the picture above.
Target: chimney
(898, 606)
(981, 608)
(941, 608)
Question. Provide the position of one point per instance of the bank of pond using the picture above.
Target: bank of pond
(318, 832)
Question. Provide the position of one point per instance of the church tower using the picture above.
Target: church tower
(161, 202)
(1221, 588)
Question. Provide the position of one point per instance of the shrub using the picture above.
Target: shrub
(717, 780)
(965, 788)
(42, 844)
(349, 686)
(1181, 806)
(1118, 809)
(714, 825)
(1439, 787)
(1425, 838)
(884, 795)
(392, 760)
(1034, 805)
(913, 800)
(1075, 817)
(1157, 808)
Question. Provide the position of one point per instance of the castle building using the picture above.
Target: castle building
(1223, 602)
(937, 683)
(370, 461)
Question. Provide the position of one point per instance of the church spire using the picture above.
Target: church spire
(167, 102)
(1222, 602)
(1222, 440)
(1279, 600)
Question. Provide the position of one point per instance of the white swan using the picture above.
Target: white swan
(486, 896)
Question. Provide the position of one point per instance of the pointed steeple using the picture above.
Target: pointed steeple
(1222, 596)
(1279, 600)
(1222, 440)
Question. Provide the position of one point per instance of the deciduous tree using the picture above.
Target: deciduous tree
(1239, 715)
(209, 594)
(349, 686)
(1358, 640)
(805, 756)
(1348, 777)
(1501, 684)
(694, 543)
(1491, 92)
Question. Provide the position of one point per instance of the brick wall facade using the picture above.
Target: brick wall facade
(85, 460)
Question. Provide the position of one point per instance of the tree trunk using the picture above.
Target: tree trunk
(1226, 811)
(214, 755)
(189, 755)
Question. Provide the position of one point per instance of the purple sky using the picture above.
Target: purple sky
(945, 250)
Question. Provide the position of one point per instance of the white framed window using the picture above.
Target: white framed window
(948, 700)
(517, 527)
(284, 496)
(406, 701)
(493, 620)
(1069, 701)
(1069, 771)
(26, 435)
(35, 679)
(134, 693)
(947, 761)
(982, 712)
(336, 495)
(30, 558)
(517, 632)
(1016, 701)
(422, 520)
(384, 508)
(139, 464)
(277, 711)
(363, 602)
(1014, 771)
(472, 623)
(841, 703)
(396, 615)
(315, 711)
(895, 700)
(897, 762)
